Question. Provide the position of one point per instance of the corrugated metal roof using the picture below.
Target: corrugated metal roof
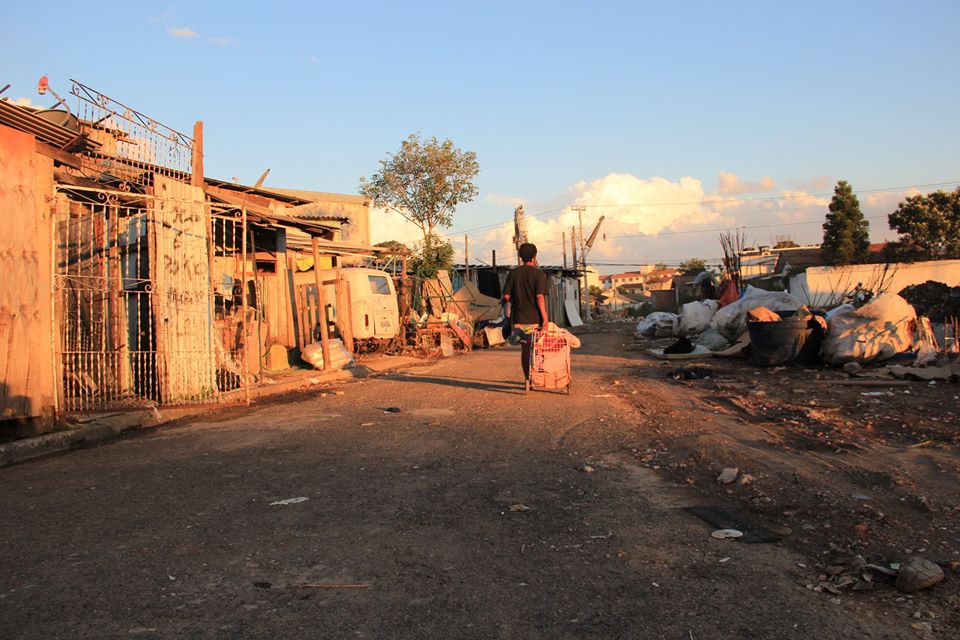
(23, 119)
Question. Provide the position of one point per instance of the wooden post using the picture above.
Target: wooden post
(322, 303)
(494, 260)
(196, 175)
(466, 258)
(348, 318)
(243, 308)
(564, 245)
(344, 317)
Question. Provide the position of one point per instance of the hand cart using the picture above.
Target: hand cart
(549, 361)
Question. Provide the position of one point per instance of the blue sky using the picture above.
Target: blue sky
(554, 97)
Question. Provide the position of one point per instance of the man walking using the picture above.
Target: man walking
(524, 294)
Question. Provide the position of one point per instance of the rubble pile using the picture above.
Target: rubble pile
(934, 300)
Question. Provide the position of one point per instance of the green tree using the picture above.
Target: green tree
(596, 293)
(660, 266)
(393, 245)
(846, 234)
(431, 254)
(424, 182)
(783, 242)
(693, 266)
(929, 227)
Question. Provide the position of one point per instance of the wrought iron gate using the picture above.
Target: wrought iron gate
(150, 307)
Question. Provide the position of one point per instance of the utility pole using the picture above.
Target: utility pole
(466, 256)
(519, 229)
(564, 245)
(584, 294)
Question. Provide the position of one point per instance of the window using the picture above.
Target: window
(379, 285)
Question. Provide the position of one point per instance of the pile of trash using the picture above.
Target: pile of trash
(934, 300)
(776, 328)
(862, 574)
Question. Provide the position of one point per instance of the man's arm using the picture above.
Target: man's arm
(541, 299)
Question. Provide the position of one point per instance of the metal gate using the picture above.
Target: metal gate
(150, 307)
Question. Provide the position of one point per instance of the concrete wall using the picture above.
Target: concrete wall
(26, 307)
(826, 286)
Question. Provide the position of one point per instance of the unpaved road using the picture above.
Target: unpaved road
(172, 534)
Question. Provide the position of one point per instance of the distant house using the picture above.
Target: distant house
(615, 300)
(617, 280)
(660, 279)
(757, 261)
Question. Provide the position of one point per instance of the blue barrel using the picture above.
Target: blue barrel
(788, 340)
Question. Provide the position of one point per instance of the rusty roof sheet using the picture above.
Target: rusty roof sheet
(26, 120)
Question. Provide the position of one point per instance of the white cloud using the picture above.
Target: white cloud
(649, 220)
(817, 184)
(221, 41)
(25, 102)
(730, 183)
(386, 224)
(314, 60)
(182, 32)
(502, 200)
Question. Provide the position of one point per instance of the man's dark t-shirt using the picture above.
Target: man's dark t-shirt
(523, 285)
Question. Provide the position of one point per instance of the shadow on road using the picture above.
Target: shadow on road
(483, 385)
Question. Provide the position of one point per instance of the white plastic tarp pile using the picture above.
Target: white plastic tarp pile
(731, 321)
(876, 331)
(658, 324)
(695, 317)
(340, 358)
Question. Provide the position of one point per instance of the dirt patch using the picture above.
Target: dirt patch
(844, 470)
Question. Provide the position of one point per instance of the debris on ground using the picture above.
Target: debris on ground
(690, 373)
(918, 573)
(728, 475)
(725, 534)
(934, 300)
(282, 503)
(721, 518)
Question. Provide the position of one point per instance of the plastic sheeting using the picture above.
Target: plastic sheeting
(731, 320)
(695, 317)
(658, 324)
(876, 331)
(340, 358)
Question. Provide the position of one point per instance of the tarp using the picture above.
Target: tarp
(731, 320)
(572, 308)
(475, 305)
(876, 331)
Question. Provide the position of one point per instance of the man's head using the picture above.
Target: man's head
(527, 252)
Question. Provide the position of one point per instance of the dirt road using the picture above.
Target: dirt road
(473, 512)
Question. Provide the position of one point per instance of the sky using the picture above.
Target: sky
(674, 122)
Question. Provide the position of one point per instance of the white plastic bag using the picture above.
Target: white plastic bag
(731, 321)
(658, 324)
(876, 331)
(695, 317)
(711, 339)
(340, 358)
